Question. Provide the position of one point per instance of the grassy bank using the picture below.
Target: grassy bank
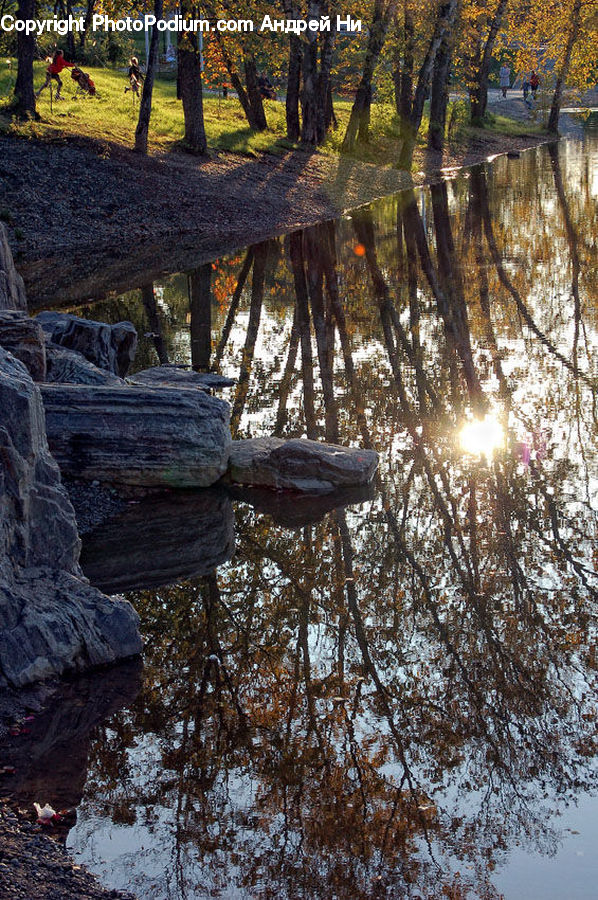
(112, 115)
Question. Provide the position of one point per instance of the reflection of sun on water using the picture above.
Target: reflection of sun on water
(482, 436)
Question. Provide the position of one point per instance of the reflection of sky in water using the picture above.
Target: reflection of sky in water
(458, 594)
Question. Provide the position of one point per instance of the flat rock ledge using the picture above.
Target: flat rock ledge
(172, 375)
(137, 436)
(310, 467)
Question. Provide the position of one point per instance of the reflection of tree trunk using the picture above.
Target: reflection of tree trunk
(148, 298)
(200, 305)
(316, 250)
(477, 231)
(303, 322)
(507, 283)
(234, 304)
(573, 244)
(260, 253)
(285, 384)
(451, 300)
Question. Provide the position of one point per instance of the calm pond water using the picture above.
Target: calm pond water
(391, 695)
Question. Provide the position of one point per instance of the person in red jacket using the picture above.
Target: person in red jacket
(53, 72)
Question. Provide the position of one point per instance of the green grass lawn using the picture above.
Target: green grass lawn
(112, 115)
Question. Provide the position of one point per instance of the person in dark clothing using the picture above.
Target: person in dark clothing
(134, 75)
(266, 87)
(53, 71)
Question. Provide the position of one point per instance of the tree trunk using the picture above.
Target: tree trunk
(403, 70)
(24, 97)
(145, 107)
(293, 77)
(258, 116)
(189, 83)
(293, 87)
(316, 81)
(359, 122)
(439, 97)
(87, 22)
(444, 20)
(70, 37)
(479, 96)
(555, 106)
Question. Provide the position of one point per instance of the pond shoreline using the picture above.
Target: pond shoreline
(85, 218)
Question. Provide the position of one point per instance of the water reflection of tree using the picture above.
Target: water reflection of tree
(405, 689)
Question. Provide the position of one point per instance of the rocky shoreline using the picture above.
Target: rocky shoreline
(33, 864)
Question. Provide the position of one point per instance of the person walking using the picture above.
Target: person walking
(534, 84)
(505, 78)
(134, 75)
(526, 89)
(53, 71)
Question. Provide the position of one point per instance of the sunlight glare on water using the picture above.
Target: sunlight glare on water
(482, 437)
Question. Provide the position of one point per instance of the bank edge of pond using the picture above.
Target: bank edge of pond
(84, 217)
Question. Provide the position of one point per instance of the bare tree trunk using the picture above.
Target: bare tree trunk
(439, 97)
(24, 97)
(403, 74)
(145, 107)
(359, 121)
(444, 20)
(248, 93)
(70, 37)
(190, 87)
(479, 95)
(555, 106)
(316, 81)
(258, 116)
(87, 22)
(293, 77)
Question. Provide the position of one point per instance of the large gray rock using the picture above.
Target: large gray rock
(65, 366)
(109, 347)
(300, 465)
(12, 288)
(171, 375)
(160, 540)
(139, 436)
(54, 622)
(24, 338)
(51, 620)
